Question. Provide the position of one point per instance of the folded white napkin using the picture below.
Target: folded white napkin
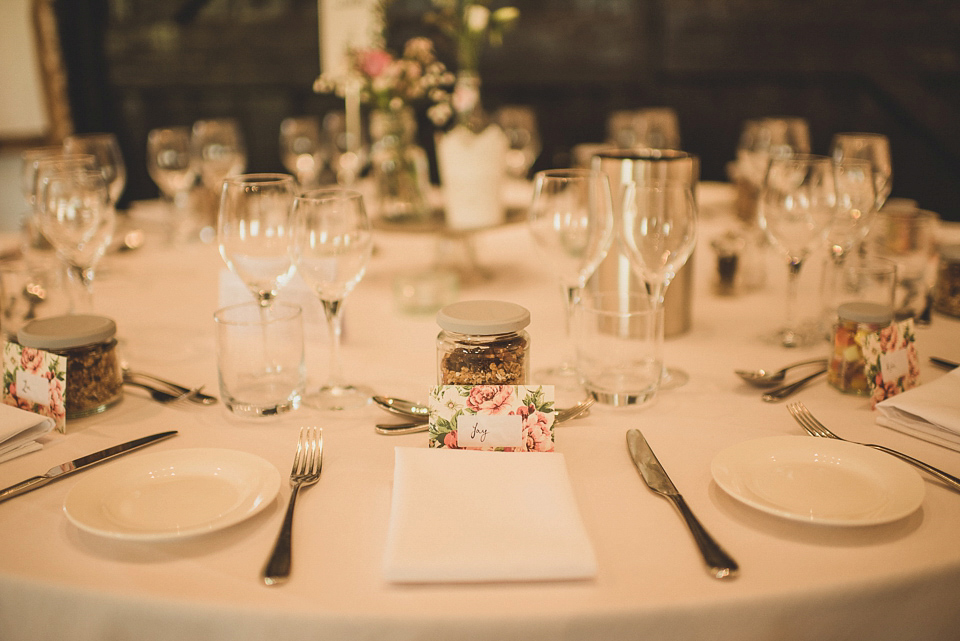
(473, 516)
(19, 430)
(930, 411)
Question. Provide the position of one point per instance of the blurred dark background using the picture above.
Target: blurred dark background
(884, 66)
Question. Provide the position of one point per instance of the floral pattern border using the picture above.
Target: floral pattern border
(36, 362)
(533, 404)
(893, 338)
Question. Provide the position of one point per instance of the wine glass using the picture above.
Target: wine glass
(874, 148)
(333, 245)
(520, 125)
(796, 206)
(171, 165)
(75, 214)
(105, 148)
(658, 234)
(218, 147)
(255, 231)
(850, 224)
(302, 150)
(571, 222)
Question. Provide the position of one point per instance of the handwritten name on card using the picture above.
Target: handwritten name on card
(35, 380)
(491, 430)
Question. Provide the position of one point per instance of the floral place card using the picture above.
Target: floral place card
(36, 381)
(502, 418)
(892, 365)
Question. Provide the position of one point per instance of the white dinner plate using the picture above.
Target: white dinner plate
(819, 480)
(173, 494)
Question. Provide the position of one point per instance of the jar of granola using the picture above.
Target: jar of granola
(483, 342)
(94, 378)
(847, 371)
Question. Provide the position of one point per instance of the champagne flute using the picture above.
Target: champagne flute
(76, 216)
(796, 207)
(105, 148)
(333, 245)
(658, 234)
(571, 222)
(255, 231)
(874, 148)
(172, 167)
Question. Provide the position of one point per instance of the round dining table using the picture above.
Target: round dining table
(798, 580)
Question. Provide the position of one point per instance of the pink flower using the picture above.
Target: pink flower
(374, 61)
(536, 432)
(490, 399)
(56, 393)
(450, 439)
(31, 360)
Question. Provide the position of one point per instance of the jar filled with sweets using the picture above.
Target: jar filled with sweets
(483, 342)
(847, 371)
(94, 379)
(946, 293)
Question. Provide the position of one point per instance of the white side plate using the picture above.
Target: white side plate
(168, 495)
(819, 480)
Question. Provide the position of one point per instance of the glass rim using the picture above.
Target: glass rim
(329, 193)
(266, 178)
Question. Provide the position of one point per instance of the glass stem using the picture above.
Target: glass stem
(571, 298)
(331, 309)
(82, 280)
(793, 274)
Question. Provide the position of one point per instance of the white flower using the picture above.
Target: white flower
(477, 17)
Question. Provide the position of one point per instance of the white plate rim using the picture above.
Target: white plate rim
(265, 475)
(902, 480)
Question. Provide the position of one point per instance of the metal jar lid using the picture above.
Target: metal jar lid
(67, 331)
(873, 313)
(483, 317)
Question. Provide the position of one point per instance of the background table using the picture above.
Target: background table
(898, 581)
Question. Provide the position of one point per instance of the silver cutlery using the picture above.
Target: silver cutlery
(306, 471)
(763, 378)
(419, 425)
(402, 407)
(162, 396)
(780, 393)
(70, 467)
(814, 427)
(194, 394)
(944, 363)
(720, 564)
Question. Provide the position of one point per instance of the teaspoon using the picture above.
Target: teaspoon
(763, 378)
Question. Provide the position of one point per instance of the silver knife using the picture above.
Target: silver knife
(66, 469)
(720, 563)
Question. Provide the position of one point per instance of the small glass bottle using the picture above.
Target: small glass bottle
(847, 371)
(94, 378)
(483, 342)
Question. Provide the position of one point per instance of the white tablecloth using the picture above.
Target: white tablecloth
(898, 581)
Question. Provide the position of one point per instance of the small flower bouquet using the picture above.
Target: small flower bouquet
(391, 83)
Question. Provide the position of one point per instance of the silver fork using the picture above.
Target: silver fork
(306, 471)
(815, 428)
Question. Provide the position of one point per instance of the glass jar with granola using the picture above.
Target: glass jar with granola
(94, 378)
(483, 342)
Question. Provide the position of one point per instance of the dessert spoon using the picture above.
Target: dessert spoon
(763, 378)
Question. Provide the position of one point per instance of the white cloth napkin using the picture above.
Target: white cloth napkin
(472, 516)
(19, 430)
(930, 411)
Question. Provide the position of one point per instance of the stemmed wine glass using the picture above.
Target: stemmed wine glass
(874, 148)
(658, 234)
(302, 150)
(333, 245)
(172, 167)
(105, 148)
(571, 221)
(854, 214)
(255, 231)
(75, 215)
(796, 207)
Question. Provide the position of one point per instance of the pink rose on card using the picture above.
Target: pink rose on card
(31, 360)
(536, 432)
(490, 399)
